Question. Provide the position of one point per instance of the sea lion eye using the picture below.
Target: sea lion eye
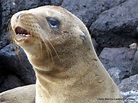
(53, 23)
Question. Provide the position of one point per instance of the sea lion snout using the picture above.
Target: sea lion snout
(25, 27)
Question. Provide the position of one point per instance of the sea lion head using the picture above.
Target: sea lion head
(50, 33)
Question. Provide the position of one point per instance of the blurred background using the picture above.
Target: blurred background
(113, 25)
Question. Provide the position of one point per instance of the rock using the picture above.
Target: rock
(10, 82)
(44, 2)
(16, 64)
(2, 75)
(0, 18)
(133, 46)
(130, 96)
(135, 64)
(94, 44)
(115, 74)
(89, 10)
(4, 40)
(117, 26)
(56, 2)
(129, 89)
(129, 84)
(121, 58)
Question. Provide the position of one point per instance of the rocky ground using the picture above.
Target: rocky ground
(113, 25)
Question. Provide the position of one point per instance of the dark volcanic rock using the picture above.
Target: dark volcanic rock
(129, 84)
(115, 74)
(121, 58)
(44, 2)
(88, 10)
(117, 27)
(4, 40)
(2, 75)
(11, 81)
(56, 2)
(12, 63)
(0, 18)
(129, 88)
(135, 64)
(130, 96)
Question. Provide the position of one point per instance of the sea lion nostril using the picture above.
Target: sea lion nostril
(18, 16)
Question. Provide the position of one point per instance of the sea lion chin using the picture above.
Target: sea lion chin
(59, 47)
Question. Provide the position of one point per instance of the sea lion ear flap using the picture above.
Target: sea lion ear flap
(83, 36)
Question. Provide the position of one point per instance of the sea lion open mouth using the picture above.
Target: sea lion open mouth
(21, 34)
(22, 31)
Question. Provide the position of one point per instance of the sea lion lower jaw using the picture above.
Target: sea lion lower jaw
(59, 47)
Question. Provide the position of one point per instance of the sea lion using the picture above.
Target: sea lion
(25, 94)
(59, 47)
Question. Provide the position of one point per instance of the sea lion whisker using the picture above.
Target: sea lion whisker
(41, 48)
(49, 53)
(45, 40)
(54, 49)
